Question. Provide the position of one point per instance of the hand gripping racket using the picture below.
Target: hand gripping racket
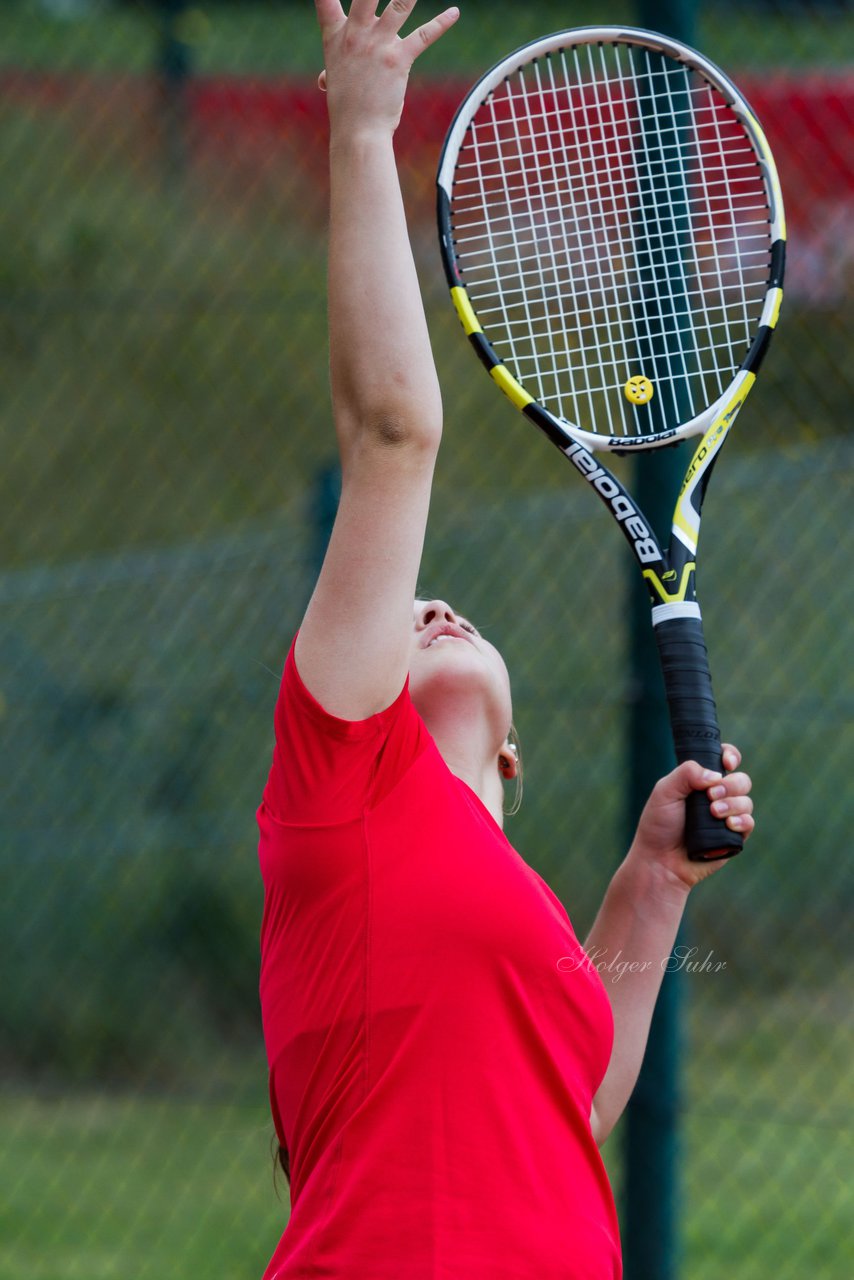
(612, 232)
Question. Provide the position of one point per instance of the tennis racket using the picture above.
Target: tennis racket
(612, 232)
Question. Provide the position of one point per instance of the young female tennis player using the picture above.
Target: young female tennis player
(444, 1062)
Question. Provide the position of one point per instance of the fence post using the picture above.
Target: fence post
(324, 508)
(651, 1242)
(651, 1132)
(173, 67)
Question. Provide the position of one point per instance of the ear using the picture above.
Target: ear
(508, 765)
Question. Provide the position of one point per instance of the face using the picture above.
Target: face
(451, 663)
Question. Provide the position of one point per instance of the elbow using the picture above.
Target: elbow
(388, 430)
(391, 430)
(392, 412)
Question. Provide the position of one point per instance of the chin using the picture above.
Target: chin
(458, 680)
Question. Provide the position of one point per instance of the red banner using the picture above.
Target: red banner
(246, 139)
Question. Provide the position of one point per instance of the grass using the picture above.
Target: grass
(102, 1187)
(768, 1132)
(770, 1204)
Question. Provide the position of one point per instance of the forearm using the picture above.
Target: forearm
(629, 944)
(382, 369)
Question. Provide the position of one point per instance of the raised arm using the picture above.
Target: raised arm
(354, 644)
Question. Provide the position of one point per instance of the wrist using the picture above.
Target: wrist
(648, 883)
(357, 135)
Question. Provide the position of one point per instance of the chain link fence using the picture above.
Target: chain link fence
(166, 438)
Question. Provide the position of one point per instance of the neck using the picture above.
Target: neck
(474, 763)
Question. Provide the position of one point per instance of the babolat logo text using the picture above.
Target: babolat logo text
(644, 544)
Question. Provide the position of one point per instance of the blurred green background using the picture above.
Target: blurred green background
(165, 434)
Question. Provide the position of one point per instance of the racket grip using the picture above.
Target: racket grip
(696, 736)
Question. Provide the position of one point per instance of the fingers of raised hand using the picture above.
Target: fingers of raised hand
(395, 14)
(429, 33)
(362, 11)
(731, 756)
(329, 12)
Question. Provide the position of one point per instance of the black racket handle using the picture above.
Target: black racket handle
(696, 736)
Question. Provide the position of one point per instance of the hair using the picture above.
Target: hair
(281, 1160)
(516, 747)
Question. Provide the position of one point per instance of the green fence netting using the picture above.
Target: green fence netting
(166, 444)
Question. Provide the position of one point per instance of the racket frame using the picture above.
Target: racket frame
(669, 576)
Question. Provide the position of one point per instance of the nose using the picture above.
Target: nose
(428, 611)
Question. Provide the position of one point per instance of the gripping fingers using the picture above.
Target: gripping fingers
(730, 800)
(736, 812)
(731, 786)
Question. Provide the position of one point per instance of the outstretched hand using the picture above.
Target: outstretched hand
(660, 837)
(367, 62)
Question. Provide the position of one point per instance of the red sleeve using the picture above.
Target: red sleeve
(326, 770)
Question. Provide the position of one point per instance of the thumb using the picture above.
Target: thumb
(687, 777)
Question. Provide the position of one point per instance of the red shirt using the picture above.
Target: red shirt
(433, 1036)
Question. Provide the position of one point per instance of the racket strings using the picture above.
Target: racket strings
(610, 219)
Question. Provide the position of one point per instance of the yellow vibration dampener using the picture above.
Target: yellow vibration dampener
(639, 390)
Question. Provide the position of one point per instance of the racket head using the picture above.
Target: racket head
(612, 231)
